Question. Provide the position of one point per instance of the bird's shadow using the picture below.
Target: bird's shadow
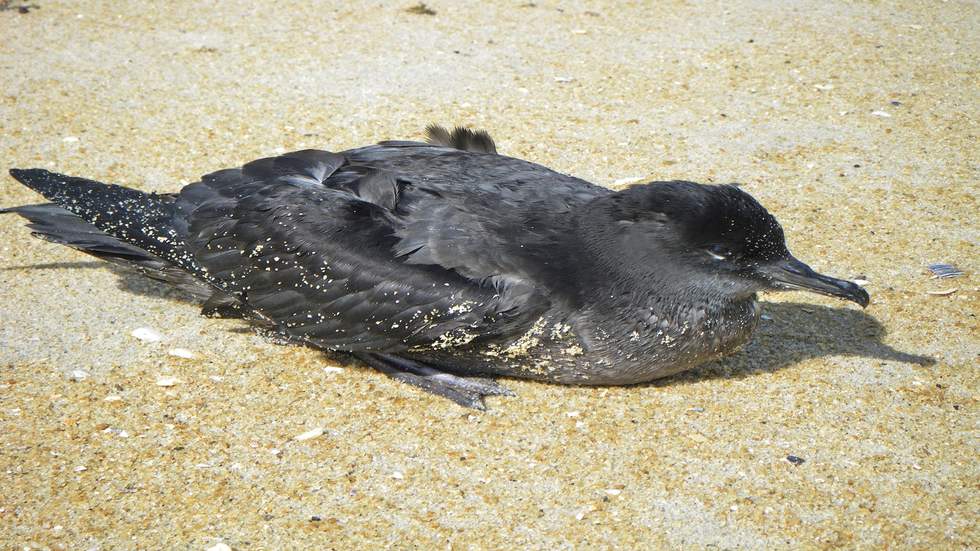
(790, 332)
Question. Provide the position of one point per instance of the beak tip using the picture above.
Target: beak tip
(862, 297)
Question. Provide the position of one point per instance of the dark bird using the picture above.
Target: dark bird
(444, 262)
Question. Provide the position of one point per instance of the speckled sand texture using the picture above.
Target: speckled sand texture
(854, 122)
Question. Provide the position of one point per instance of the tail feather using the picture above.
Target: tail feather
(126, 227)
(136, 219)
(55, 224)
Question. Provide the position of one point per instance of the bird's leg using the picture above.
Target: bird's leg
(465, 391)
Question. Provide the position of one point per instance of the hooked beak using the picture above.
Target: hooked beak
(793, 274)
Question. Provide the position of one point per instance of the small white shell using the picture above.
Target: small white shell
(309, 435)
(146, 334)
(167, 380)
(182, 353)
(79, 375)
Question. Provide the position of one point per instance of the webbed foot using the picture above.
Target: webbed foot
(465, 391)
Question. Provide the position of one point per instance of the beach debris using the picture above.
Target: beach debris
(398, 475)
(147, 334)
(70, 139)
(766, 317)
(942, 270)
(182, 353)
(942, 293)
(795, 460)
(824, 87)
(112, 398)
(23, 8)
(628, 180)
(331, 369)
(420, 9)
(80, 469)
(79, 375)
(860, 281)
(220, 546)
(879, 113)
(309, 435)
(316, 518)
(613, 491)
(167, 381)
(563, 80)
(118, 432)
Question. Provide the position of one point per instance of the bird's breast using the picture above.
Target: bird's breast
(635, 346)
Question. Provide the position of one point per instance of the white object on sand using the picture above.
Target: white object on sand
(146, 334)
(943, 293)
(167, 381)
(79, 375)
(309, 435)
(182, 353)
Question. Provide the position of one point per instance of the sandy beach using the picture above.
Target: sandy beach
(855, 123)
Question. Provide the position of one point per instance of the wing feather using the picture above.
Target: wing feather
(320, 261)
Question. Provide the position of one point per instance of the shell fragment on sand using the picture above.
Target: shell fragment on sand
(167, 381)
(941, 270)
(182, 353)
(146, 334)
(942, 293)
(627, 181)
(309, 435)
(79, 375)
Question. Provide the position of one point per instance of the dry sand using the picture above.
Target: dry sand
(854, 122)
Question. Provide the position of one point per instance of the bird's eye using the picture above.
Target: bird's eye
(718, 252)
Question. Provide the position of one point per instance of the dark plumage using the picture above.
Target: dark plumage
(435, 262)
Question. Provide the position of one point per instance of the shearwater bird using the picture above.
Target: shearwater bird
(441, 263)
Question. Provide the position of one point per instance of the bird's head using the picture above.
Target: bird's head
(719, 234)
